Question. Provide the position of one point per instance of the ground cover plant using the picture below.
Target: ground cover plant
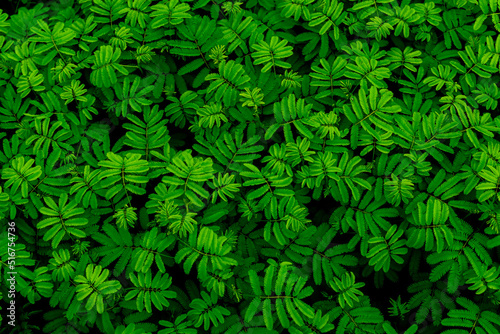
(261, 166)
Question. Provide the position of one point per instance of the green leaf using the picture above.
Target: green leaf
(105, 64)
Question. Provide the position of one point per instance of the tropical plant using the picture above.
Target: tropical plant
(208, 166)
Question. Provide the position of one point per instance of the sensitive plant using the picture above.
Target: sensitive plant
(207, 166)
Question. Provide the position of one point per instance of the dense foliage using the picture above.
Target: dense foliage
(264, 166)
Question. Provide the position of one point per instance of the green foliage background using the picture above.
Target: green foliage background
(263, 166)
